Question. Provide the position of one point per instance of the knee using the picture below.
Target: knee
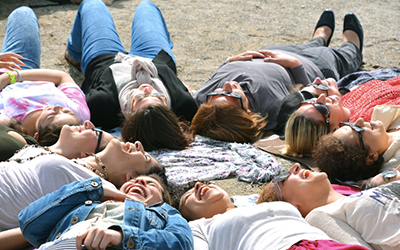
(147, 3)
(23, 11)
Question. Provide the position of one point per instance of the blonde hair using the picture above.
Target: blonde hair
(228, 123)
(302, 134)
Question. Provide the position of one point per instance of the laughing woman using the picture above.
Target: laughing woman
(36, 171)
(373, 214)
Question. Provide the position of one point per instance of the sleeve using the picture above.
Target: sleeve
(299, 75)
(77, 100)
(175, 235)
(39, 218)
(199, 239)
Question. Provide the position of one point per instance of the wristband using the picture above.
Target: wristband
(227, 60)
(19, 75)
(12, 77)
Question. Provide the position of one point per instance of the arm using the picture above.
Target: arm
(10, 61)
(13, 239)
(47, 75)
(246, 56)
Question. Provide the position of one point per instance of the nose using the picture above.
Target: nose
(57, 108)
(140, 181)
(359, 122)
(321, 99)
(317, 81)
(88, 125)
(227, 87)
(294, 169)
(197, 186)
(139, 146)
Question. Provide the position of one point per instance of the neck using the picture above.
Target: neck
(29, 122)
(329, 198)
(391, 138)
(66, 152)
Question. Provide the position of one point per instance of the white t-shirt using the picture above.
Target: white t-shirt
(273, 225)
(374, 214)
(22, 183)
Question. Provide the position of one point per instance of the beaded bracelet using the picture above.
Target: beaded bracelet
(227, 60)
(12, 77)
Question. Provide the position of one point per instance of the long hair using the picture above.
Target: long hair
(228, 123)
(268, 194)
(156, 127)
(344, 161)
(302, 134)
(49, 135)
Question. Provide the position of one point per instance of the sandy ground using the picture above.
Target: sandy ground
(205, 32)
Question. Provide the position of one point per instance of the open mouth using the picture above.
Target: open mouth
(128, 147)
(203, 190)
(306, 174)
(138, 190)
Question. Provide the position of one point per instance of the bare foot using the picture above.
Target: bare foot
(351, 36)
(324, 32)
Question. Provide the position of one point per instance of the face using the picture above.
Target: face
(230, 87)
(374, 136)
(83, 138)
(329, 82)
(204, 201)
(132, 161)
(337, 112)
(381, 179)
(146, 89)
(55, 114)
(144, 189)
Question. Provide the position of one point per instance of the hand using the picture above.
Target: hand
(246, 56)
(10, 61)
(280, 58)
(98, 238)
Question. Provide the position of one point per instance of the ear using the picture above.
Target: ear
(127, 177)
(371, 158)
(36, 135)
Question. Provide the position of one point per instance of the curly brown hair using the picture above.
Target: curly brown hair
(156, 127)
(228, 123)
(268, 194)
(344, 161)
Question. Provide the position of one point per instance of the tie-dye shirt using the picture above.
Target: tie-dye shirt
(21, 98)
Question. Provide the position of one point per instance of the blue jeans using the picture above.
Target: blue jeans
(94, 33)
(23, 37)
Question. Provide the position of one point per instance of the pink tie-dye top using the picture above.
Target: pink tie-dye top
(21, 98)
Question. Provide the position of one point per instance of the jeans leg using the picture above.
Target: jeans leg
(93, 33)
(23, 37)
(149, 32)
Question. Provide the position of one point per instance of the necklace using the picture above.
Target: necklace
(19, 160)
(95, 170)
(98, 160)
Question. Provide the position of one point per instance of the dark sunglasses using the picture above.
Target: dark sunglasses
(99, 134)
(157, 95)
(234, 95)
(388, 174)
(356, 128)
(322, 108)
(279, 178)
(322, 87)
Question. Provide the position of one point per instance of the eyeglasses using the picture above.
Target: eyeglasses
(356, 128)
(322, 108)
(388, 174)
(236, 96)
(160, 96)
(279, 178)
(322, 87)
(99, 134)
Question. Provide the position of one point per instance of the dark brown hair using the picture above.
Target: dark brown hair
(228, 123)
(17, 125)
(344, 161)
(49, 135)
(268, 194)
(156, 127)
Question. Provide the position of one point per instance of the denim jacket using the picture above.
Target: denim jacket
(153, 227)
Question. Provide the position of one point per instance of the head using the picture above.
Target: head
(230, 93)
(225, 122)
(302, 188)
(146, 95)
(353, 152)
(385, 177)
(204, 201)
(302, 134)
(55, 115)
(80, 141)
(132, 161)
(327, 87)
(147, 189)
(157, 127)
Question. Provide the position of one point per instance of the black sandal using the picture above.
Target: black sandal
(351, 22)
(327, 18)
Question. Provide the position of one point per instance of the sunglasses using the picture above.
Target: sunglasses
(99, 134)
(160, 96)
(322, 108)
(322, 87)
(233, 95)
(388, 174)
(279, 178)
(356, 128)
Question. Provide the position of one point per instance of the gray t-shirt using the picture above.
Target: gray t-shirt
(264, 84)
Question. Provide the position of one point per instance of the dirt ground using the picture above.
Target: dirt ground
(206, 32)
